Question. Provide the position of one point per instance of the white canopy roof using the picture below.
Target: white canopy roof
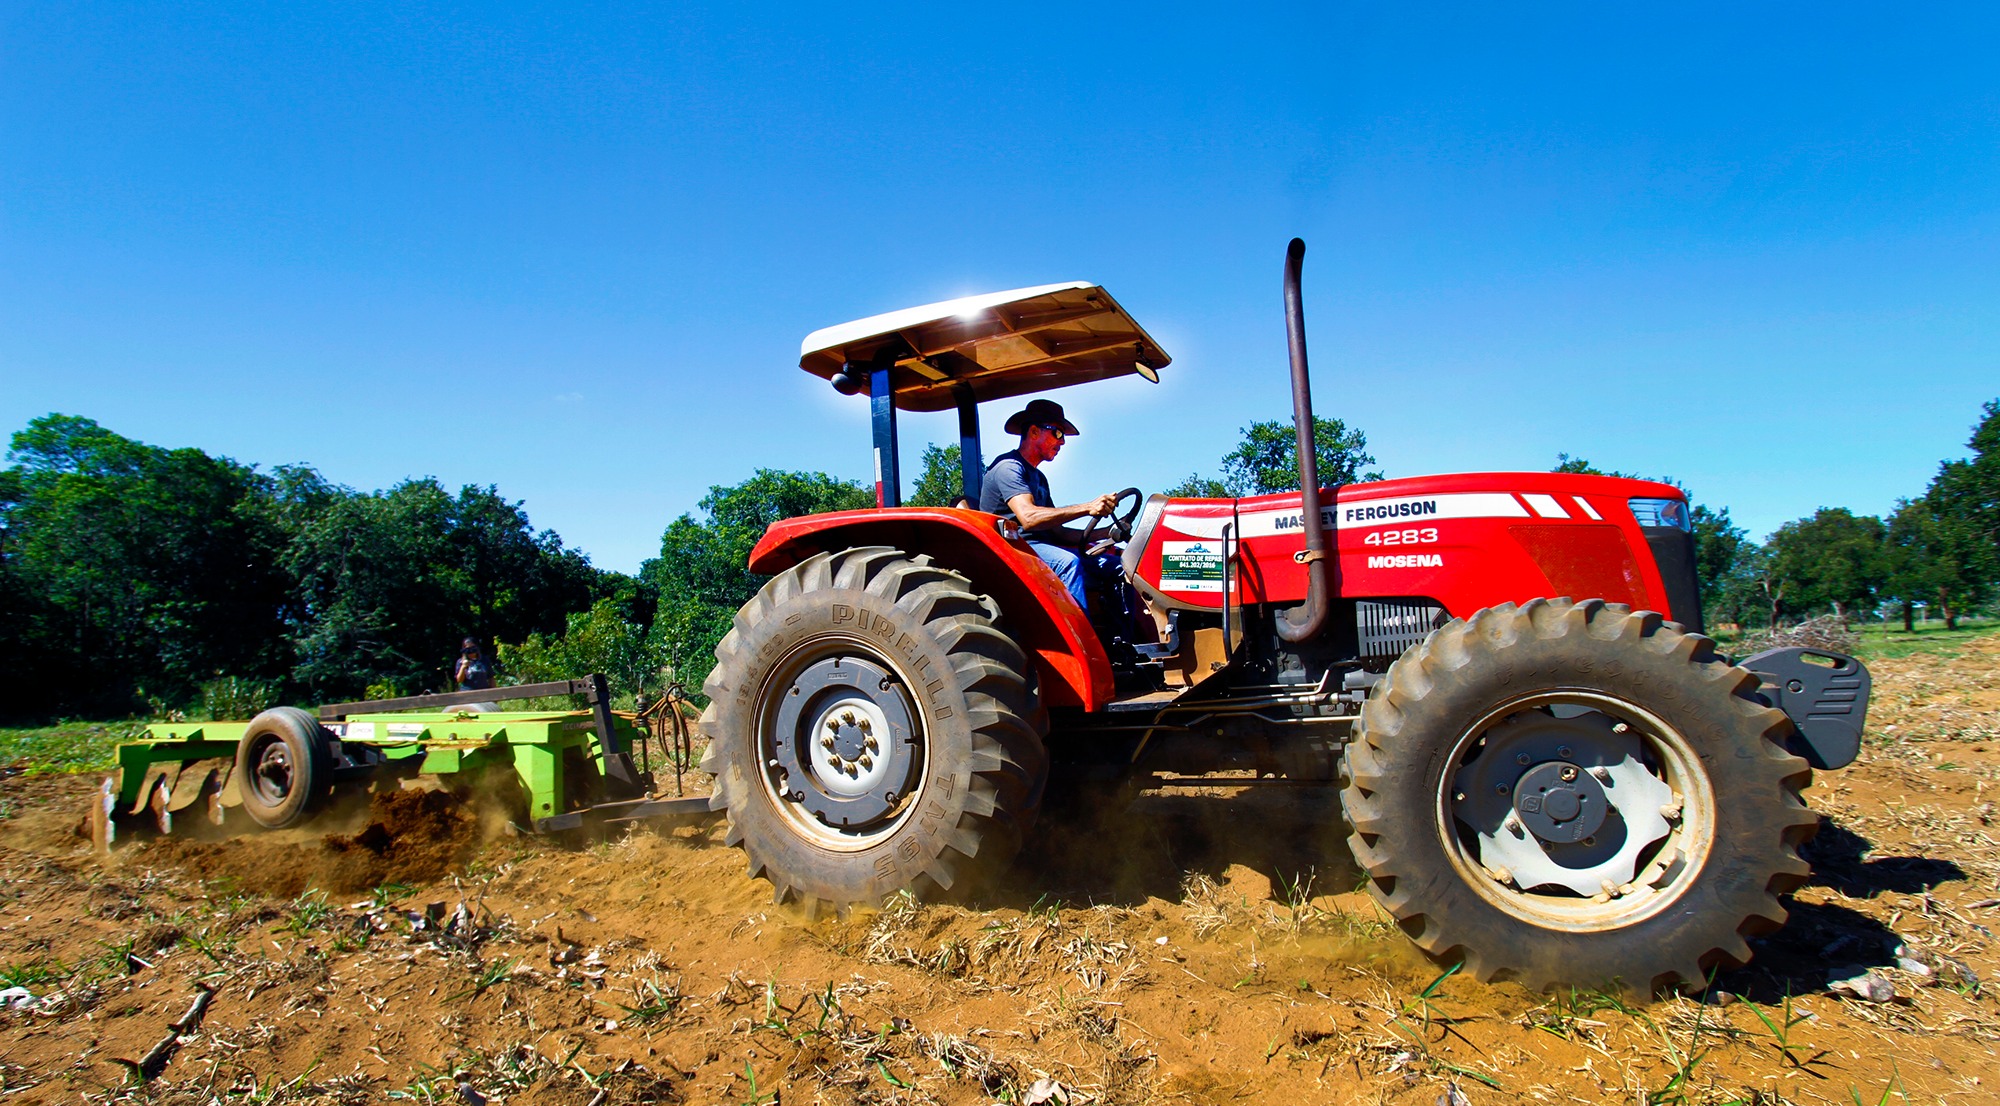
(998, 344)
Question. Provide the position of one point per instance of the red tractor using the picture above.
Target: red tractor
(1546, 769)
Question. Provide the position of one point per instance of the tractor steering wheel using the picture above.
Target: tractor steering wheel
(1120, 526)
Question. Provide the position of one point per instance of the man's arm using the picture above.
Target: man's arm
(1032, 517)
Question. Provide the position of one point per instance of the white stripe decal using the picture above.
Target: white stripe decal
(1545, 505)
(1587, 508)
(1364, 514)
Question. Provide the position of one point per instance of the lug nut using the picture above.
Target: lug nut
(1602, 774)
(826, 742)
(866, 726)
(867, 761)
(872, 746)
(1619, 727)
(1568, 773)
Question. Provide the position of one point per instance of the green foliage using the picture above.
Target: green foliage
(1936, 559)
(1727, 566)
(130, 569)
(389, 582)
(702, 576)
(941, 482)
(1884, 641)
(233, 697)
(1197, 486)
(600, 639)
(1266, 461)
(133, 574)
(65, 746)
(1835, 559)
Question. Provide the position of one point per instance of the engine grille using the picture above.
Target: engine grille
(1387, 628)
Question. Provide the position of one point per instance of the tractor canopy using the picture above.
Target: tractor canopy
(985, 347)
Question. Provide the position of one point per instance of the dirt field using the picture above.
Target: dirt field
(1206, 950)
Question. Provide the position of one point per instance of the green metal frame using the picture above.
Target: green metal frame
(537, 745)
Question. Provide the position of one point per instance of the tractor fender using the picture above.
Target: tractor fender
(1070, 662)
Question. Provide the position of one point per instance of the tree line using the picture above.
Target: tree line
(1938, 551)
(136, 579)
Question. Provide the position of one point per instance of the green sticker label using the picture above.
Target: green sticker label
(1191, 566)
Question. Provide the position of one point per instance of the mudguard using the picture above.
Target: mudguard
(1827, 703)
(1070, 662)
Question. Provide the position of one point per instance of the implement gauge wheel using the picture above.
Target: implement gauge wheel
(1576, 793)
(868, 731)
(284, 765)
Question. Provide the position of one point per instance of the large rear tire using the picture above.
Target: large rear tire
(1576, 793)
(868, 731)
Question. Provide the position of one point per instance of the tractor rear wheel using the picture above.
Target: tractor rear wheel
(284, 765)
(1576, 793)
(868, 731)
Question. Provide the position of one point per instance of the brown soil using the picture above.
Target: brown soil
(1202, 948)
(411, 837)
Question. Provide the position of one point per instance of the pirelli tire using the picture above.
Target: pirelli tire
(1485, 754)
(868, 730)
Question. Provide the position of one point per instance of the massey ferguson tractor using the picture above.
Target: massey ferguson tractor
(1546, 770)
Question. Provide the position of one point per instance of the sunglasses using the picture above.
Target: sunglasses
(1055, 431)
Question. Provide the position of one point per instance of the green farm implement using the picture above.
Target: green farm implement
(566, 769)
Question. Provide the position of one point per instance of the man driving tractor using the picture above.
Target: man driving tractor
(1015, 488)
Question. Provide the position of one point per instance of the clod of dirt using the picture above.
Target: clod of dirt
(412, 837)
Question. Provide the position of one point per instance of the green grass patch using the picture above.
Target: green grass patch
(1888, 641)
(66, 746)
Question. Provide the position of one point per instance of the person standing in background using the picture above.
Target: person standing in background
(474, 671)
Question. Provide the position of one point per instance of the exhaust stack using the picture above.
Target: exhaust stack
(1304, 623)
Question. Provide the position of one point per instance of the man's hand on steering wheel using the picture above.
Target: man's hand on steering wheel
(1120, 527)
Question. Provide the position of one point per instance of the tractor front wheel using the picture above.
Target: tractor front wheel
(1576, 793)
(867, 729)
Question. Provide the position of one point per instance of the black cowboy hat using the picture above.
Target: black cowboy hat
(1040, 412)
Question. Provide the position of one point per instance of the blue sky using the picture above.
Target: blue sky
(571, 250)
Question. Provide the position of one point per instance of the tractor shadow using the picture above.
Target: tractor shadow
(1124, 854)
(1840, 859)
(1147, 850)
(1826, 941)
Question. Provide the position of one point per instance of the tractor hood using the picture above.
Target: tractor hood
(998, 345)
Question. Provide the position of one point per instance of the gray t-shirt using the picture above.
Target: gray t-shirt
(1007, 477)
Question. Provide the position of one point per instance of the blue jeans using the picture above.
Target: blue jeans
(1068, 568)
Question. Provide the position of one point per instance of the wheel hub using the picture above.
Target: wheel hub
(1562, 802)
(844, 743)
(1559, 802)
(274, 771)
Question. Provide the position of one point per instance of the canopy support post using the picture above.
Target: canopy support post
(971, 467)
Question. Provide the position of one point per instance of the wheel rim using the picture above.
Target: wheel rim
(840, 744)
(1576, 810)
(272, 772)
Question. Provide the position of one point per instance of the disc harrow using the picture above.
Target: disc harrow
(570, 769)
